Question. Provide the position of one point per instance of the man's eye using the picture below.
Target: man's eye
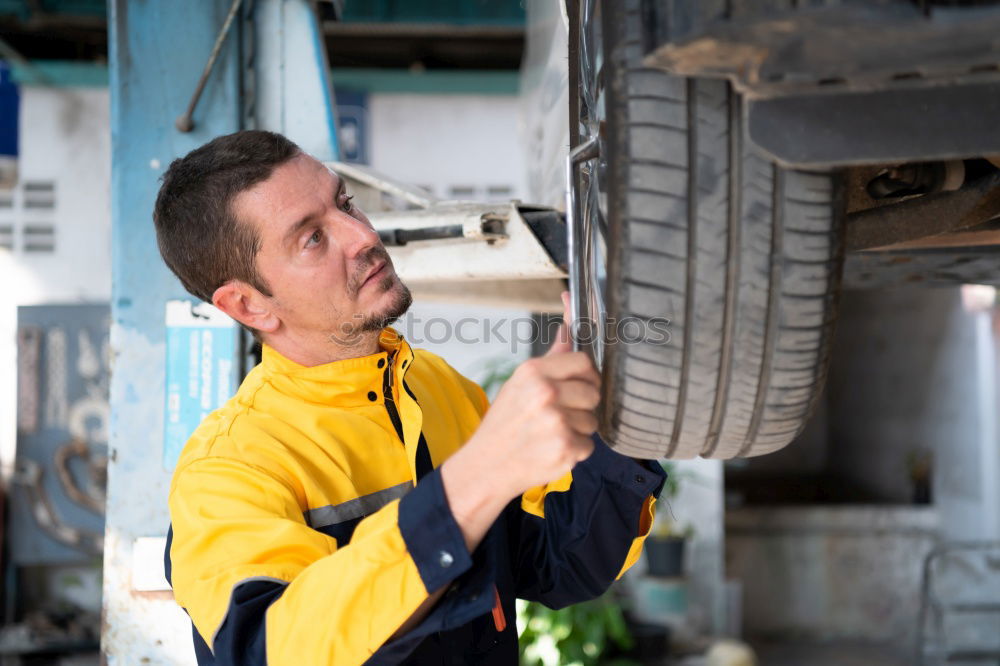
(314, 238)
(347, 205)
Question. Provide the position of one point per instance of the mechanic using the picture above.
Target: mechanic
(356, 501)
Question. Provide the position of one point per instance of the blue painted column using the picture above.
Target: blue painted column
(158, 50)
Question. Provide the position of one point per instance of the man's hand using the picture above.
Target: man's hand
(540, 424)
(535, 432)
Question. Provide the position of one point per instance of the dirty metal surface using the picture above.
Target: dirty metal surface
(921, 218)
(933, 268)
(770, 53)
(911, 86)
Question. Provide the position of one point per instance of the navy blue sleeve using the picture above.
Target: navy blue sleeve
(432, 536)
(436, 544)
(240, 639)
(577, 550)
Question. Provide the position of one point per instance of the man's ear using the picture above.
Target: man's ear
(246, 305)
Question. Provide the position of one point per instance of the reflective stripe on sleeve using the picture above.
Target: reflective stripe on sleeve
(332, 514)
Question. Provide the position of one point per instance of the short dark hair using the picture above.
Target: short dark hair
(199, 237)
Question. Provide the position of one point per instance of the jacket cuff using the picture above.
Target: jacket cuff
(432, 536)
(644, 477)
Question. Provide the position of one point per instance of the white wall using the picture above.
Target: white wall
(64, 138)
(448, 140)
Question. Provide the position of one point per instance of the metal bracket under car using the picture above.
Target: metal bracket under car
(958, 218)
(502, 254)
(852, 84)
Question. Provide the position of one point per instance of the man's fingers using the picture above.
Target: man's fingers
(584, 446)
(563, 342)
(569, 365)
(578, 394)
(582, 421)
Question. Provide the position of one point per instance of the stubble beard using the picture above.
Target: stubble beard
(365, 326)
(376, 321)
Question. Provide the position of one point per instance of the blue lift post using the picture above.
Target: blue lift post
(270, 73)
(158, 51)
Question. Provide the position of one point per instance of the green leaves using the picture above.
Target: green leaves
(574, 636)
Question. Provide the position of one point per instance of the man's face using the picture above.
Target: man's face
(329, 275)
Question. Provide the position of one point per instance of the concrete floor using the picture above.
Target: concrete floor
(818, 654)
(832, 654)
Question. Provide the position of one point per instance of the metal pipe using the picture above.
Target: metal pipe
(582, 153)
(185, 123)
(399, 237)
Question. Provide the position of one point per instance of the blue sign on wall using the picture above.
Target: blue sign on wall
(10, 101)
(201, 354)
(352, 125)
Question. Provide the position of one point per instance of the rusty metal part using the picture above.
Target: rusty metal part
(916, 178)
(925, 217)
(94, 497)
(28, 474)
(924, 267)
(983, 235)
(800, 50)
(910, 87)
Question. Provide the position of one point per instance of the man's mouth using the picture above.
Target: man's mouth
(376, 272)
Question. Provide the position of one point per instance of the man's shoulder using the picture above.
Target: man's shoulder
(226, 431)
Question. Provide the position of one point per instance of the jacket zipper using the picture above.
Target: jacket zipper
(424, 465)
(390, 402)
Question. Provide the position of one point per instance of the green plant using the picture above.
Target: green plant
(665, 524)
(672, 486)
(496, 371)
(577, 635)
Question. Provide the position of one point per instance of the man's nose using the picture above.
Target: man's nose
(357, 236)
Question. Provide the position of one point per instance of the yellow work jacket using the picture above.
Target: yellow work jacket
(301, 536)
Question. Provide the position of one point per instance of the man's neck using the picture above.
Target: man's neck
(311, 352)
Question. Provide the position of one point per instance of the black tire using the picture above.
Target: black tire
(744, 258)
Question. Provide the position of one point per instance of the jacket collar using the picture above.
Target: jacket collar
(347, 383)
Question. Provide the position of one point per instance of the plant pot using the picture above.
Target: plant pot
(650, 642)
(665, 556)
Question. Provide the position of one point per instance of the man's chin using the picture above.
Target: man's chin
(399, 301)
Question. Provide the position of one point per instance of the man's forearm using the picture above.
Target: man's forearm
(474, 497)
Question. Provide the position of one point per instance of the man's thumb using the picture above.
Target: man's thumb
(563, 342)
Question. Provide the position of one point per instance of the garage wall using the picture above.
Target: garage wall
(65, 143)
(915, 370)
(457, 145)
